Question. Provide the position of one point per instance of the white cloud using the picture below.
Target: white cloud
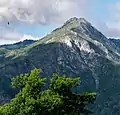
(112, 26)
(18, 38)
(107, 29)
(9, 37)
(41, 11)
(29, 37)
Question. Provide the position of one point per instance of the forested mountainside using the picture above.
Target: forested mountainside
(76, 49)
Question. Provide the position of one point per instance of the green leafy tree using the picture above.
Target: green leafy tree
(74, 104)
(57, 100)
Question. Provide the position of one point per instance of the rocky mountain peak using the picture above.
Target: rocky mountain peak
(80, 33)
(76, 20)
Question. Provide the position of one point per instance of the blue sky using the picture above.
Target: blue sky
(35, 18)
(35, 30)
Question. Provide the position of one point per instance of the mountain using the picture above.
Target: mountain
(4, 49)
(76, 49)
(115, 41)
(17, 45)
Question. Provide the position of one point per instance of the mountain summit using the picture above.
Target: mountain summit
(76, 49)
(74, 20)
(78, 30)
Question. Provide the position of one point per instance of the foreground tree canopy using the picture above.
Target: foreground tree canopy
(58, 99)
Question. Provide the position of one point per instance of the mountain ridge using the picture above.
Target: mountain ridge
(17, 45)
(76, 49)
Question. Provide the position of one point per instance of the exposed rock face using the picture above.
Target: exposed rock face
(76, 49)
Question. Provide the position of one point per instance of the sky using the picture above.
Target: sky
(33, 19)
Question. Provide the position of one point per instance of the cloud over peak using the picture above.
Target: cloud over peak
(41, 11)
